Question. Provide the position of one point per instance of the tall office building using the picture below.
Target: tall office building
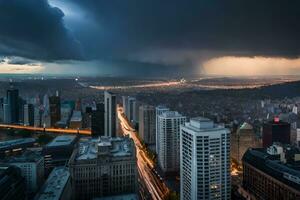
(158, 111)
(103, 166)
(98, 120)
(204, 160)
(6, 113)
(110, 114)
(125, 104)
(131, 108)
(241, 140)
(276, 131)
(169, 139)
(54, 106)
(28, 115)
(147, 124)
(13, 102)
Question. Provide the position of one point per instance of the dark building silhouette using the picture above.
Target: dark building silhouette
(271, 176)
(276, 131)
(13, 102)
(98, 120)
(12, 184)
(28, 115)
(54, 104)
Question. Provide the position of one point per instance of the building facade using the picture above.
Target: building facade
(169, 141)
(147, 124)
(276, 131)
(110, 114)
(204, 161)
(97, 121)
(55, 112)
(57, 186)
(268, 175)
(158, 111)
(102, 167)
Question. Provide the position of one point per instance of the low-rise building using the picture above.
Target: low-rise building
(58, 151)
(271, 173)
(31, 164)
(102, 167)
(57, 186)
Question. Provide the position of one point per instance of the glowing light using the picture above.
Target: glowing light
(251, 66)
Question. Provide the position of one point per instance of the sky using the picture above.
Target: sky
(150, 38)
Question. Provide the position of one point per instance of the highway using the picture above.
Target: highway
(156, 188)
(52, 130)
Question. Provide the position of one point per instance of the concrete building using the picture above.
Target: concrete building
(147, 124)
(276, 131)
(270, 174)
(57, 186)
(125, 104)
(158, 111)
(131, 109)
(58, 151)
(169, 139)
(28, 115)
(76, 120)
(12, 184)
(102, 167)
(11, 147)
(13, 102)
(243, 139)
(32, 169)
(204, 161)
(119, 197)
(110, 114)
(55, 112)
(97, 121)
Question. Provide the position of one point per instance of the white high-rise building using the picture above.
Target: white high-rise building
(159, 110)
(204, 160)
(110, 114)
(169, 140)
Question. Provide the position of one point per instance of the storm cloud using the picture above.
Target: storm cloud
(132, 35)
(33, 29)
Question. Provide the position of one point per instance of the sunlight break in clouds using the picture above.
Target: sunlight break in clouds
(251, 66)
(7, 68)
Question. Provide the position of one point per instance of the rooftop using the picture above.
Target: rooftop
(12, 143)
(170, 114)
(62, 140)
(119, 197)
(89, 148)
(54, 185)
(27, 156)
(76, 116)
(202, 124)
(271, 165)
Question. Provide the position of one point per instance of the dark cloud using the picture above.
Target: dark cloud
(33, 29)
(235, 27)
(20, 61)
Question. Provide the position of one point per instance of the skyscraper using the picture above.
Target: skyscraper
(159, 110)
(110, 114)
(29, 115)
(54, 104)
(98, 120)
(204, 160)
(13, 103)
(169, 139)
(276, 131)
(131, 109)
(147, 124)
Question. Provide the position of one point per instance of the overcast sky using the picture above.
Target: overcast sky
(150, 37)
